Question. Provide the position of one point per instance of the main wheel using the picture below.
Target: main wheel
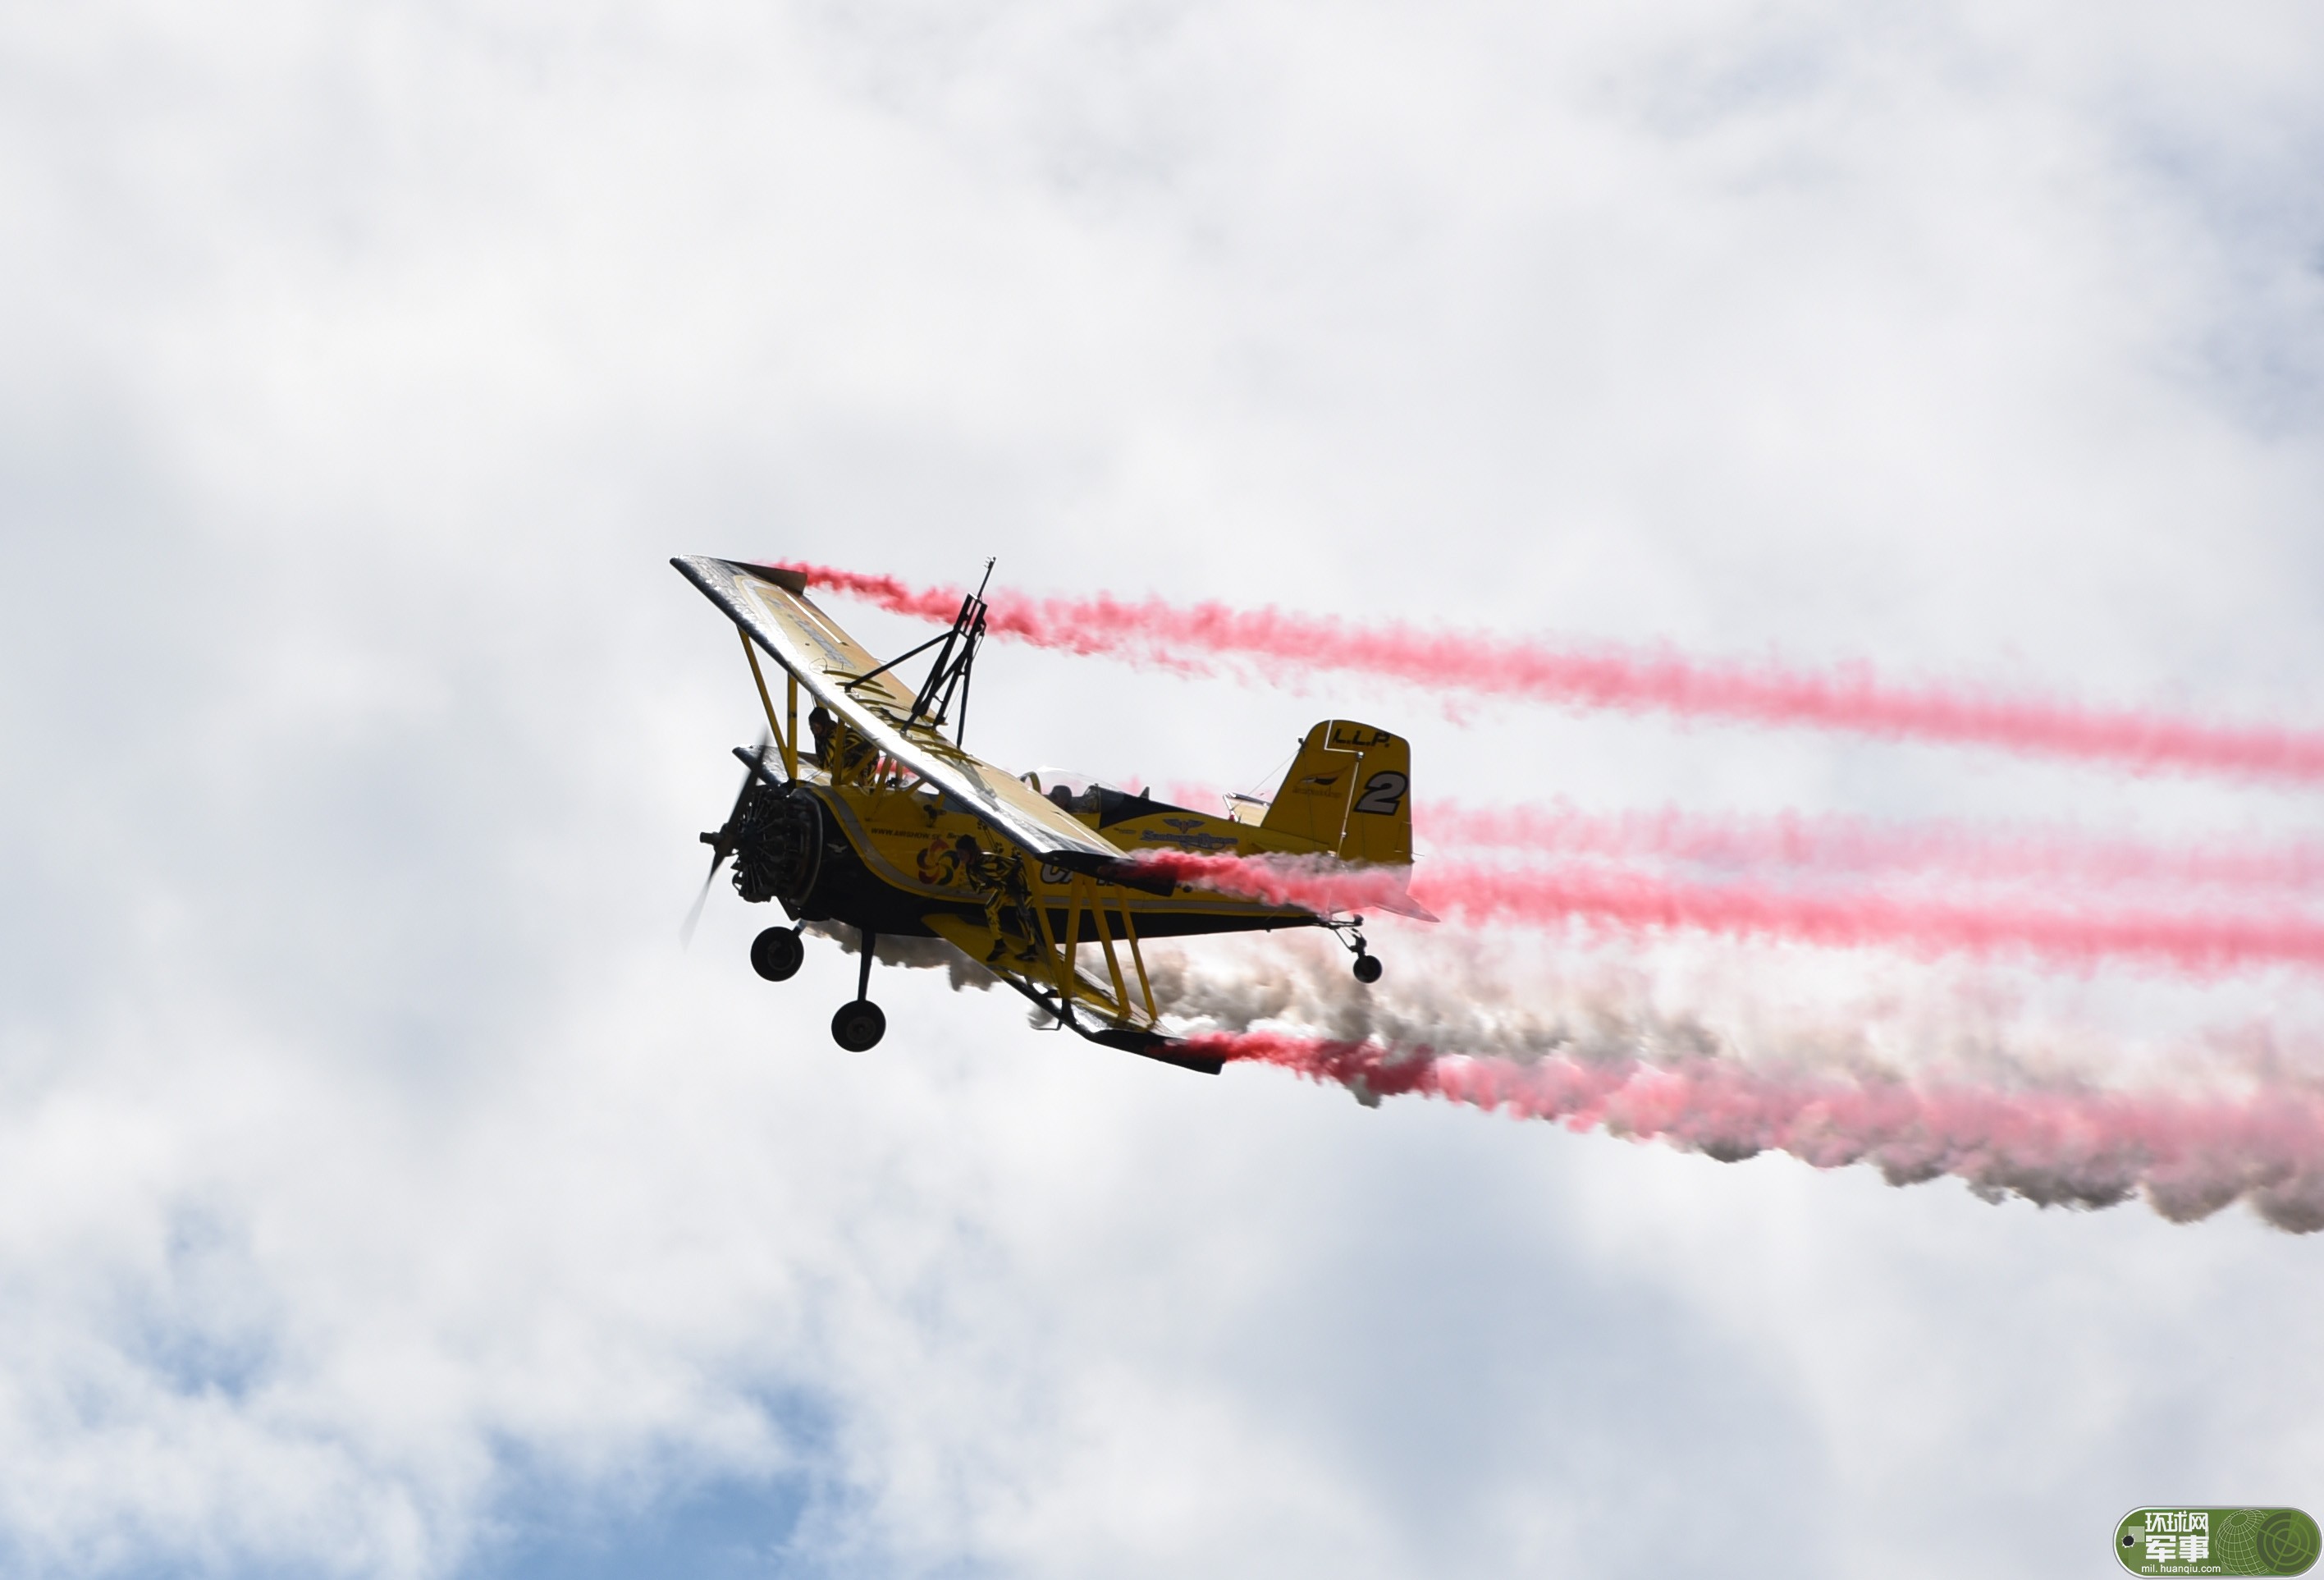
(1367, 969)
(776, 953)
(858, 1026)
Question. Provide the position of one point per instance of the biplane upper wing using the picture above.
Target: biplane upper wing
(771, 606)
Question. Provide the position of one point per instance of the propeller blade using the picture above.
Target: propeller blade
(722, 845)
(685, 932)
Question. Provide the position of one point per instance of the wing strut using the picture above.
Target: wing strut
(788, 744)
(900, 658)
(951, 673)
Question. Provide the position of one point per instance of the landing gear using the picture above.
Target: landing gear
(1352, 936)
(776, 953)
(860, 1026)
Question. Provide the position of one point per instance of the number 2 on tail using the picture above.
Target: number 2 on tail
(1382, 791)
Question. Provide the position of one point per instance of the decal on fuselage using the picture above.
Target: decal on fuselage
(1187, 839)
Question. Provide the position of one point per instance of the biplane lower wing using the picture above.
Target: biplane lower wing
(1105, 1011)
(771, 606)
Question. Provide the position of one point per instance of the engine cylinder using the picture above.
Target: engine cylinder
(778, 844)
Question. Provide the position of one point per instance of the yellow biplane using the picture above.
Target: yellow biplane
(881, 822)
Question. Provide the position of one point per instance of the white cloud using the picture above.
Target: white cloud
(370, 1161)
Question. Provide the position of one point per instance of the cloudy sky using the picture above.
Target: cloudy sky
(382, 1192)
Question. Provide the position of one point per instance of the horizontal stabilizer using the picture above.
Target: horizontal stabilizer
(1406, 905)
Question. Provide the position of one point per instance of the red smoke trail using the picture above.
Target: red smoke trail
(1851, 698)
(1857, 846)
(1829, 843)
(2201, 946)
(2191, 1155)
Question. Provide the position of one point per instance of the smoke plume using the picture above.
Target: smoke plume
(2190, 1156)
(1919, 1073)
(911, 954)
(1948, 1080)
(1947, 1077)
(2195, 944)
(1633, 680)
(1828, 845)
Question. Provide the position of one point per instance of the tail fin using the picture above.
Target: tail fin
(1350, 791)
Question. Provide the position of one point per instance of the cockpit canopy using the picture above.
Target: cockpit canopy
(1089, 797)
(1075, 792)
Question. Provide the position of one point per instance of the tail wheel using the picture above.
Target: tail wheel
(1367, 969)
(776, 953)
(859, 1026)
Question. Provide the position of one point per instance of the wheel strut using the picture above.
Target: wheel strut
(860, 1025)
(1352, 936)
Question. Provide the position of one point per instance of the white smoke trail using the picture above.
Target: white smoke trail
(2083, 1094)
(2007, 1085)
(911, 954)
(1686, 1001)
(1676, 1002)
(1762, 1007)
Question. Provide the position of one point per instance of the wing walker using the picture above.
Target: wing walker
(882, 822)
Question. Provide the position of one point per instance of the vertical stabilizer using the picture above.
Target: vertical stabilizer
(1349, 792)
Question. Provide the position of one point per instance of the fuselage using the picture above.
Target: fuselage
(886, 856)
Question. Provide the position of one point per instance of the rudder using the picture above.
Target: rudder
(1349, 792)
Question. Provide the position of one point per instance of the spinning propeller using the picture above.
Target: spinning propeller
(722, 842)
